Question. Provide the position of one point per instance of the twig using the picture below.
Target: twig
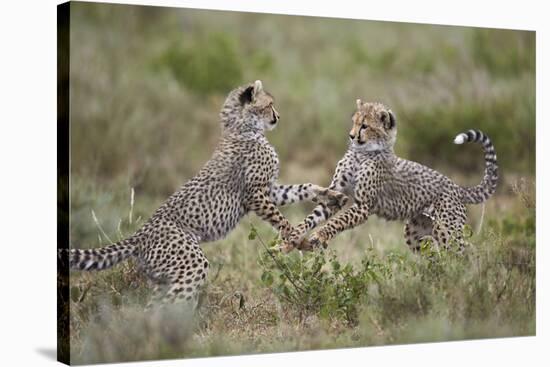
(480, 225)
(278, 263)
(131, 206)
(119, 229)
(100, 228)
(220, 266)
(371, 241)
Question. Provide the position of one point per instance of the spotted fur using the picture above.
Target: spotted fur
(239, 178)
(432, 205)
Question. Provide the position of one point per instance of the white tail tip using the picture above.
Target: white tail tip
(459, 139)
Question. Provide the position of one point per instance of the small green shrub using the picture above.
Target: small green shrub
(317, 282)
(205, 64)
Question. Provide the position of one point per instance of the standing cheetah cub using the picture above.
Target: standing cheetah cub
(394, 188)
(239, 178)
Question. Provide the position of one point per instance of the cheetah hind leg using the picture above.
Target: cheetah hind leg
(449, 221)
(418, 229)
(183, 282)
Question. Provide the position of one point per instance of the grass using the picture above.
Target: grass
(367, 289)
(148, 123)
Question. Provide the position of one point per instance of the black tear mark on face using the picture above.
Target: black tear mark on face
(246, 96)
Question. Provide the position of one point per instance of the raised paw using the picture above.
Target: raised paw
(297, 234)
(336, 199)
(331, 197)
(285, 231)
(290, 243)
(315, 241)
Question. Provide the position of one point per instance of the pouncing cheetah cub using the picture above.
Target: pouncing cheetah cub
(395, 188)
(239, 178)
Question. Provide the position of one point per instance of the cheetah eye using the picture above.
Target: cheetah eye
(364, 126)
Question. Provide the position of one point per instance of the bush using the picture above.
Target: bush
(317, 282)
(205, 64)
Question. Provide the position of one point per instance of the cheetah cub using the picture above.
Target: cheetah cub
(395, 188)
(239, 178)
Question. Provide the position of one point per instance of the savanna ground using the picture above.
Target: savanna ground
(146, 88)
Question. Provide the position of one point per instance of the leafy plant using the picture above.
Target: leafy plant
(317, 282)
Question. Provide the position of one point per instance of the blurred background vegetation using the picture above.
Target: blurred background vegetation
(147, 85)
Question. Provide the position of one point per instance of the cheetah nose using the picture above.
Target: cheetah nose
(351, 136)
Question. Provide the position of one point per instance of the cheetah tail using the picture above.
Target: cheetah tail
(98, 258)
(481, 192)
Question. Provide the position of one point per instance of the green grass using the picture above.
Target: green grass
(367, 289)
(146, 88)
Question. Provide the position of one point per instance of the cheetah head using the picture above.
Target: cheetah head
(258, 107)
(249, 107)
(374, 127)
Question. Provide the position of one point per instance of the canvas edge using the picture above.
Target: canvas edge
(63, 68)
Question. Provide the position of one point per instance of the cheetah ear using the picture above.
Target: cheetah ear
(392, 122)
(359, 103)
(246, 95)
(258, 87)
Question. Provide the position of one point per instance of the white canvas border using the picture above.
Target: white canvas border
(28, 191)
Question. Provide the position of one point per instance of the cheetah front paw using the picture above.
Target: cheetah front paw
(315, 241)
(331, 197)
(337, 199)
(293, 240)
(285, 230)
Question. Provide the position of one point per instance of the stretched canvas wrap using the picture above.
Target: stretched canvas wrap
(234, 183)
